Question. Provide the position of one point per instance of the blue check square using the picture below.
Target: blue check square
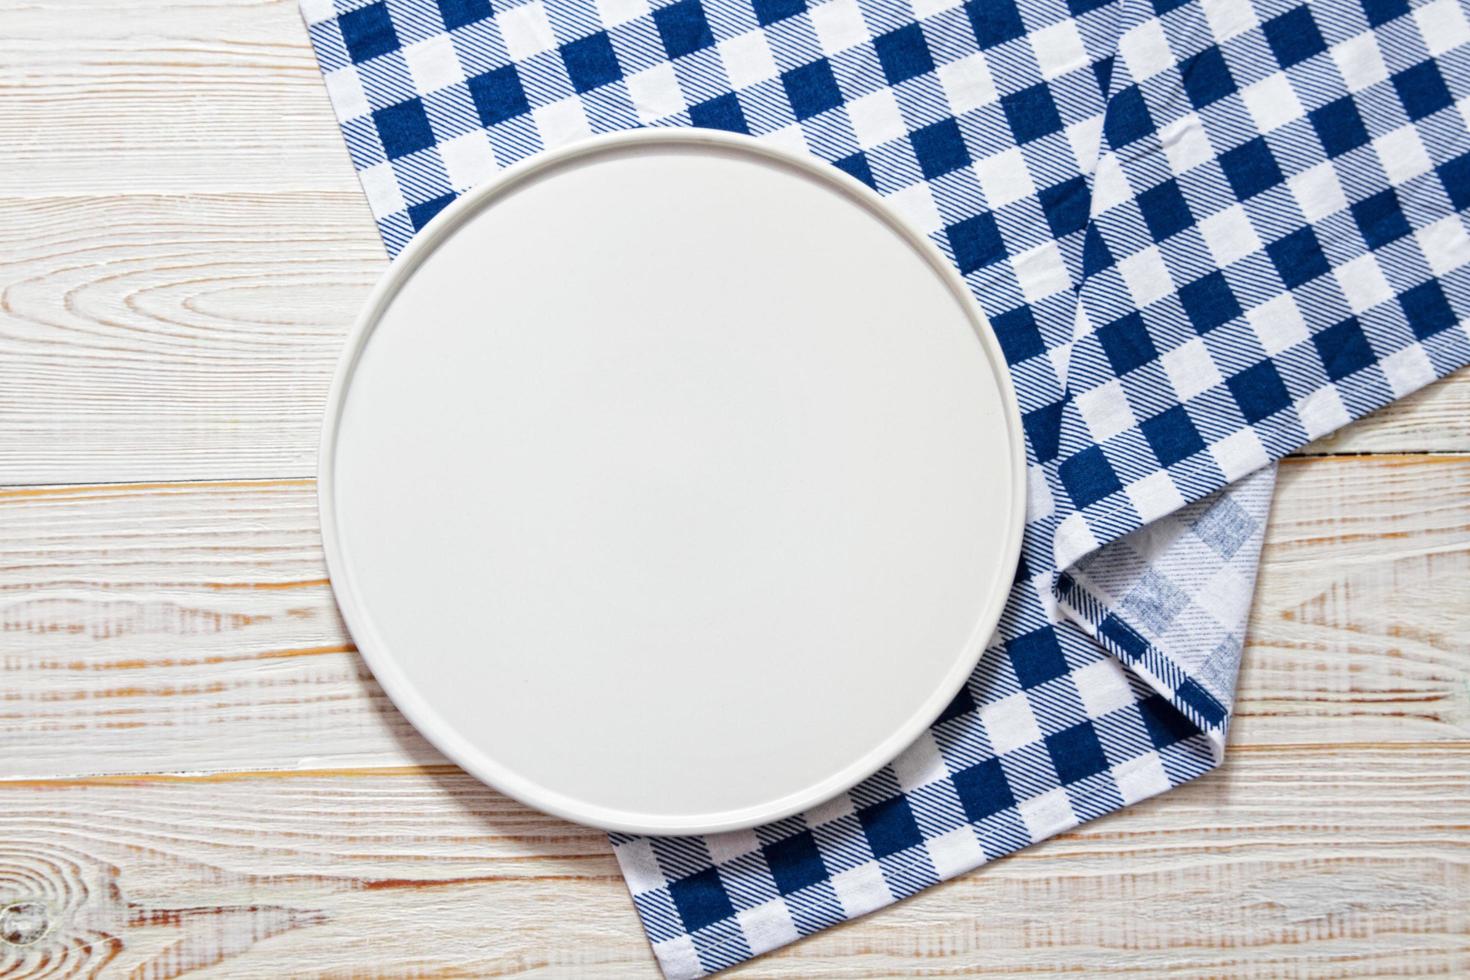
(722, 112)
(1165, 210)
(368, 32)
(1250, 168)
(1076, 752)
(890, 826)
(591, 62)
(1298, 257)
(1380, 218)
(1209, 302)
(1422, 90)
(940, 148)
(1032, 113)
(683, 28)
(404, 128)
(1206, 77)
(795, 862)
(1454, 178)
(498, 95)
(1127, 343)
(1380, 12)
(1128, 119)
(1428, 309)
(812, 89)
(1344, 349)
(768, 12)
(1339, 126)
(458, 13)
(1089, 477)
(1017, 331)
(1294, 36)
(857, 165)
(1037, 657)
(422, 214)
(701, 899)
(977, 243)
(1044, 428)
(983, 790)
(995, 21)
(904, 54)
(1259, 391)
(1165, 724)
(1066, 206)
(1172, 435)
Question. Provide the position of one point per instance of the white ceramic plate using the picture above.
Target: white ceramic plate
(670, 484)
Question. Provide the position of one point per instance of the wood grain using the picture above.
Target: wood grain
(1361, 623)
(186, 627)
(163, 97)
(191, 628)
(177, 337)
(1291, 859)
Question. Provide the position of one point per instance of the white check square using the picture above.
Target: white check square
(862, 889)
(468, 159)
(967, 83)
(1103, 686)
(1059, 49)
(655, 92)
(1363, 283)
(876, 118)
(955, 852)
(839, 25)
(1230, 235)
(1154, 496)
(1141, 777)
(767, 926)
(1106, 411)
(1005, 178)
(1191, 369)
(1278, 324)
(747, 59)
(1360, 62)
(1010, 723)
(433, 63)
(1272, 102)
(1048, 814)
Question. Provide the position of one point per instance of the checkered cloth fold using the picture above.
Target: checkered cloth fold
(1204, 232)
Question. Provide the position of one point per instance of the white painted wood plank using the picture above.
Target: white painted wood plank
(191, 628)
(1361, 624)
(179, 628)
(163, 97)
(174, 336)
(1298, 860)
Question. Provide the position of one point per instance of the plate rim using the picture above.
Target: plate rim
(387, 670)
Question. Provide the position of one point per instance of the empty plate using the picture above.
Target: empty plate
(670, 483)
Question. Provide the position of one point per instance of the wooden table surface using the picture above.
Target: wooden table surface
(198, 775)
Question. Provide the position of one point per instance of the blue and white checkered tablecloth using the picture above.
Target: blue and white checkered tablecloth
(1205, 233)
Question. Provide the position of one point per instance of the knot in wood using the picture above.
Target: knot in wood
(24, 923)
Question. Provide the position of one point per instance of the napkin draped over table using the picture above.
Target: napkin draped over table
(1205, 232)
